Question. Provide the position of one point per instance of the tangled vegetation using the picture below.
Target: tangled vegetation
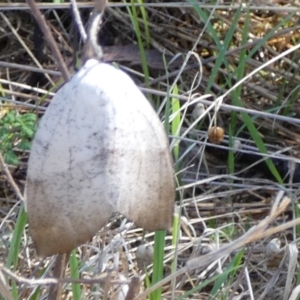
(227, 65)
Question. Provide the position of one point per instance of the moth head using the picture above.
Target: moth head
(91, 48)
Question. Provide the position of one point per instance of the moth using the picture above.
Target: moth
(100, 148)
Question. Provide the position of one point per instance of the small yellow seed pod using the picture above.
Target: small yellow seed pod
(215, 134)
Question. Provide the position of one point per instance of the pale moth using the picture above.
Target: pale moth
(99, 148)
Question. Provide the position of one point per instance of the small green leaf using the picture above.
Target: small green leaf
(24, 145)
(29, 117)
(27, 131)
(11, 158)
(10, 117)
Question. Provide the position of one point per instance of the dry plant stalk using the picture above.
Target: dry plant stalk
(49, 38)
(134, 288)
(60, 265)
(52, 281)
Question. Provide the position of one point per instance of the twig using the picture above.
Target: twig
(4, 291)
(49, 38)
(134, 288)
(47, 281)
(60, 266)
(5, 64)
(232, 6)
(10, 179)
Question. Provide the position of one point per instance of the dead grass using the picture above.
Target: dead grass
(217, 206)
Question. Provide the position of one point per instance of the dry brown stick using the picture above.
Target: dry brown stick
(134, 288)
(61, 259)
(4, 291)
(60, 265)
(10, 179)
(46, 281)
(49, 38)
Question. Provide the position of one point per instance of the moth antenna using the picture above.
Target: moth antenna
(91, 48)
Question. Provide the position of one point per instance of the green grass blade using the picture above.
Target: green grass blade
(237, 92)
(168, 101)
(14, 290)
(234, 265)
(222, 47)
(176, 121)
(205, 283)
(134, 19)
(16, 239)
(158, 262)
(36, 294)
(74, 263)
(145, 21)
(260, 145)
(14, 248)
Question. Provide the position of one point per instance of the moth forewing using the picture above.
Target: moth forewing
(141, 170)
(140, 183)
(66, 178)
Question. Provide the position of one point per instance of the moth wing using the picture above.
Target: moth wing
(67, 168)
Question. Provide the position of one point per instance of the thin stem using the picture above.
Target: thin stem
(49, 38)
